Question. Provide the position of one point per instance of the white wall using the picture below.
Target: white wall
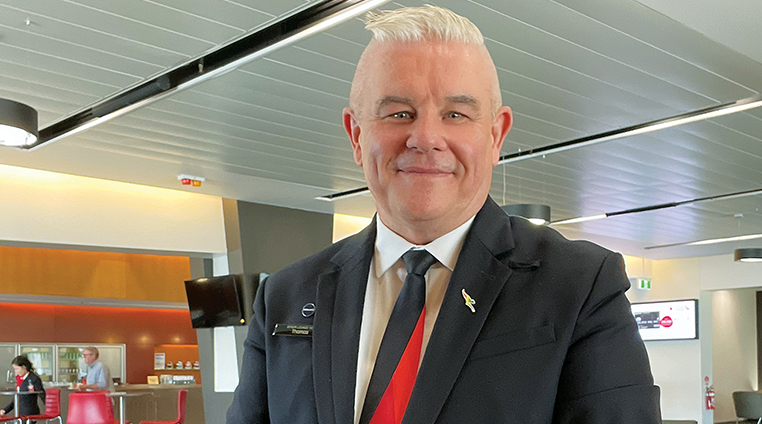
(51, 208)
(676, 365)
(734, 356)
(725, 319)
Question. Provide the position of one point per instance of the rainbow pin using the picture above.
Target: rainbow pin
(470, 302)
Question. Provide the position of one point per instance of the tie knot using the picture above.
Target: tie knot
(418, 261)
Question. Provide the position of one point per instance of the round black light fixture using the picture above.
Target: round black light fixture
(18, 124)
(536, 214)
(749, 254)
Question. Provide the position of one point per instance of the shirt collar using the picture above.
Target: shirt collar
(390, 246)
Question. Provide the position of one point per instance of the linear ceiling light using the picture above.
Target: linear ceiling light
(18, 124)
(735, 195)
(708, 241)
(659, 124)
(303, 23)
(344, 194)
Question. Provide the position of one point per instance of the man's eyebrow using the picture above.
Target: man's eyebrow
(387, 100)
(463, 99)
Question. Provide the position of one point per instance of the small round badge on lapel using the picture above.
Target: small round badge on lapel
(308, 310)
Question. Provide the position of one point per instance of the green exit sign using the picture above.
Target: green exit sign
(644, 283)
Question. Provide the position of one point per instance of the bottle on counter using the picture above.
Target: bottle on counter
(188, 365)
(179, 365)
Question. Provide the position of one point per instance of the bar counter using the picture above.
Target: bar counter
(159, 403)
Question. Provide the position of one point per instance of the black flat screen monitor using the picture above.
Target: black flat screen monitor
(667, 320)
(215, 301)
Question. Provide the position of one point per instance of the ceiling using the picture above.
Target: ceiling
(270, 131)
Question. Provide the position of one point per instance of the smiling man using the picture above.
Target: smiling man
(444, 309)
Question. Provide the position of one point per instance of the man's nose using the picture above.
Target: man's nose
(427, 133)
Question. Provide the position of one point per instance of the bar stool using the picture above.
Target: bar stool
(182, 396)
(90, 408)
(52, 407)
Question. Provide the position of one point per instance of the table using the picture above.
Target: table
(15, 395)
(121, 396)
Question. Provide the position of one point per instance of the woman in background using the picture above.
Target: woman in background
(26, 381)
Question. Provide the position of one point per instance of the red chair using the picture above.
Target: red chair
(182, 396)
(52, 407)
(90, 408)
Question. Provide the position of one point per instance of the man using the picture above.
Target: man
(518, 325)
(98, 374)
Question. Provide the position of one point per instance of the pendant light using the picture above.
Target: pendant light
(18, 124)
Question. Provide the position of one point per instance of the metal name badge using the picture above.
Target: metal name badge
(293, 330)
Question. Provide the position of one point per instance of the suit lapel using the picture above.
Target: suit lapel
(336, 333)
(482, 276)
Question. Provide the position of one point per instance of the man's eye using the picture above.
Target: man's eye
(454, 115)
(402, 115)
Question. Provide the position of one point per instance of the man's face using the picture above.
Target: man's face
(425, 137)
(89, 357)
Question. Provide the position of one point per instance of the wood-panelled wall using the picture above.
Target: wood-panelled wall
(53, 272)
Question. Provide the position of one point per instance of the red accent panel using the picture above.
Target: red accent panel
(139, 329)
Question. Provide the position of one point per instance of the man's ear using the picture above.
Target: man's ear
(501, 125)
(352, 127)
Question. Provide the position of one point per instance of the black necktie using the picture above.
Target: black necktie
(405, 315)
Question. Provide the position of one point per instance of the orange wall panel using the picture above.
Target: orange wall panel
(52, 272)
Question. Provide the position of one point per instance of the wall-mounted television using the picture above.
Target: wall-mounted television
(667, 320)
(221, 301)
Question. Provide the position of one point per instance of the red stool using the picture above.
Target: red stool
(52, 407)
(90, 408)
(182, 396)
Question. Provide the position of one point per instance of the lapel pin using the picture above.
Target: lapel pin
(470, 302)
(308, 310)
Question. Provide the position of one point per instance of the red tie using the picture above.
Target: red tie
(393, 377)
(392, 407)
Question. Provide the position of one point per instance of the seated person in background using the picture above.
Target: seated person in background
(26, 381)
(98, 374)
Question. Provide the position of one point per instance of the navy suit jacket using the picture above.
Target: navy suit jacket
(552, 340)
(28, 403)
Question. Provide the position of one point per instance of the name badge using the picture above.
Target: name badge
(294, 330)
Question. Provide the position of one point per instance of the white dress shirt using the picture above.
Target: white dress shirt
(385, 279)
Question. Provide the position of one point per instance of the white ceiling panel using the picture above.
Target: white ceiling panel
(271, 131)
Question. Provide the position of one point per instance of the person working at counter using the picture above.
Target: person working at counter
(98, 374)
(26, 381)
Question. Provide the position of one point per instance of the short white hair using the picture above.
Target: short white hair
(422, 23)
